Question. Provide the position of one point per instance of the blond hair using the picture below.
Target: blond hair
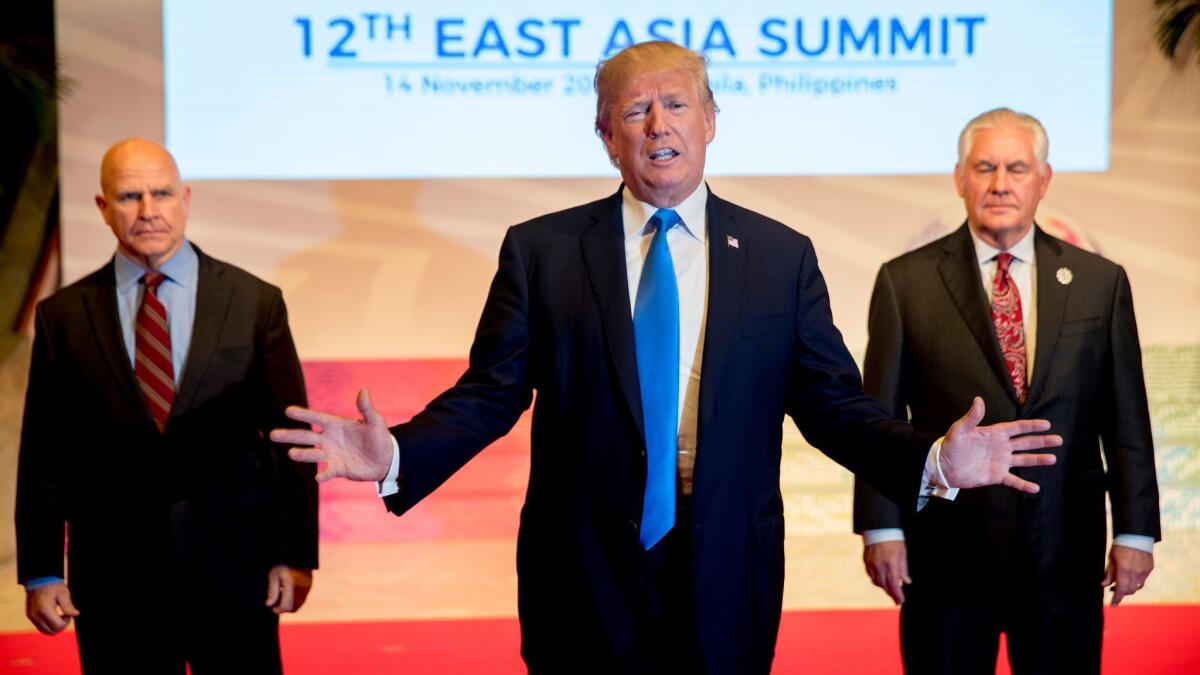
(646, 57)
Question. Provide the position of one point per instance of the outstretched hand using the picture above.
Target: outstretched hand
(358, 449)
(973, 456)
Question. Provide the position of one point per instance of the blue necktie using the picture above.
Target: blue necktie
(656, 339)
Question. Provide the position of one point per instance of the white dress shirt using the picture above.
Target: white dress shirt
(688, 243)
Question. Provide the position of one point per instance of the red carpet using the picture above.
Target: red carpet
(1142, 640)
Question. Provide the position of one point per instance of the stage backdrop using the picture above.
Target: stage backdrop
(384, 279)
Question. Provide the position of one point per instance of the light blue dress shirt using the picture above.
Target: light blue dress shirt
(177, 294)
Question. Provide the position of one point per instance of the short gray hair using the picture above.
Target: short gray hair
(1001, 117)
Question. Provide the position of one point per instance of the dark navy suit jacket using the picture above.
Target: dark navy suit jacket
(557, 322)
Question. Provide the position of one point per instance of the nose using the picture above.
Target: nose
(1000, 181)
(147, 207)
(656, 122)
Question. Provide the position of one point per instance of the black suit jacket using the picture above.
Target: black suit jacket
(932, 348)
(557, 321)
(205, 508)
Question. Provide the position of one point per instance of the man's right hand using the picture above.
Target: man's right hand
(887, 565)
(358, 449)
(49, 607)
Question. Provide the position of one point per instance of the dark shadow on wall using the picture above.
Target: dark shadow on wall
(29, 91)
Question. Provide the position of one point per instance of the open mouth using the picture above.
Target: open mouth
(663, 154)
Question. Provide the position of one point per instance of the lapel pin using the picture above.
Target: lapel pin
(731, 241)
(1064, 275)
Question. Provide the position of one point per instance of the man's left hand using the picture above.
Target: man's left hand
(1127, 571)
(287, 588)
(973, 456)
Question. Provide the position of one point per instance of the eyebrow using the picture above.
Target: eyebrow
(137, 192)
(1016, 163)
(667, 96)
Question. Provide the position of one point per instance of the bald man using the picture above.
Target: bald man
(190, 532)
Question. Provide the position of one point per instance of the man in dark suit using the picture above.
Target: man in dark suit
(189, 531)
(1038, 328)
(651, 539)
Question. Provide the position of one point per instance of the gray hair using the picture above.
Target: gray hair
(1001, 117)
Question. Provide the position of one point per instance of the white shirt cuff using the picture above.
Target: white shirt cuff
(1139, 542)
(389, 485)
(881, 535)
(933, 481)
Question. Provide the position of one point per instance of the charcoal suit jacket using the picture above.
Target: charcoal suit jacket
(201, 511)
(932, 349)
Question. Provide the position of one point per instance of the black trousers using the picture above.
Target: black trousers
(964, 640)
(161, 639)
(666, 639)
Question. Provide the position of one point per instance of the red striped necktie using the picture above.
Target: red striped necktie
(1009, 323)
(152, 352)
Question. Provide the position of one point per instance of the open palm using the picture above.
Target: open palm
(358, 449)
(973, 456)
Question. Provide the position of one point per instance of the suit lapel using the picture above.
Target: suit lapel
(1051, 304)
(100, 304)
(959, 269)
(603, 246)
(213, 292)
(726, 277)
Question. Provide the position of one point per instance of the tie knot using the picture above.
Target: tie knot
(1003, 260)
(664, 219)
(153, 280)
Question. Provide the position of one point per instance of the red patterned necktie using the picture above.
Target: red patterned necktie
(152, 352)
(1010, 329)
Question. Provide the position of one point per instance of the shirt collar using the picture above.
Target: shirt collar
(180, 269)
(691, 211)
(986, 253)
